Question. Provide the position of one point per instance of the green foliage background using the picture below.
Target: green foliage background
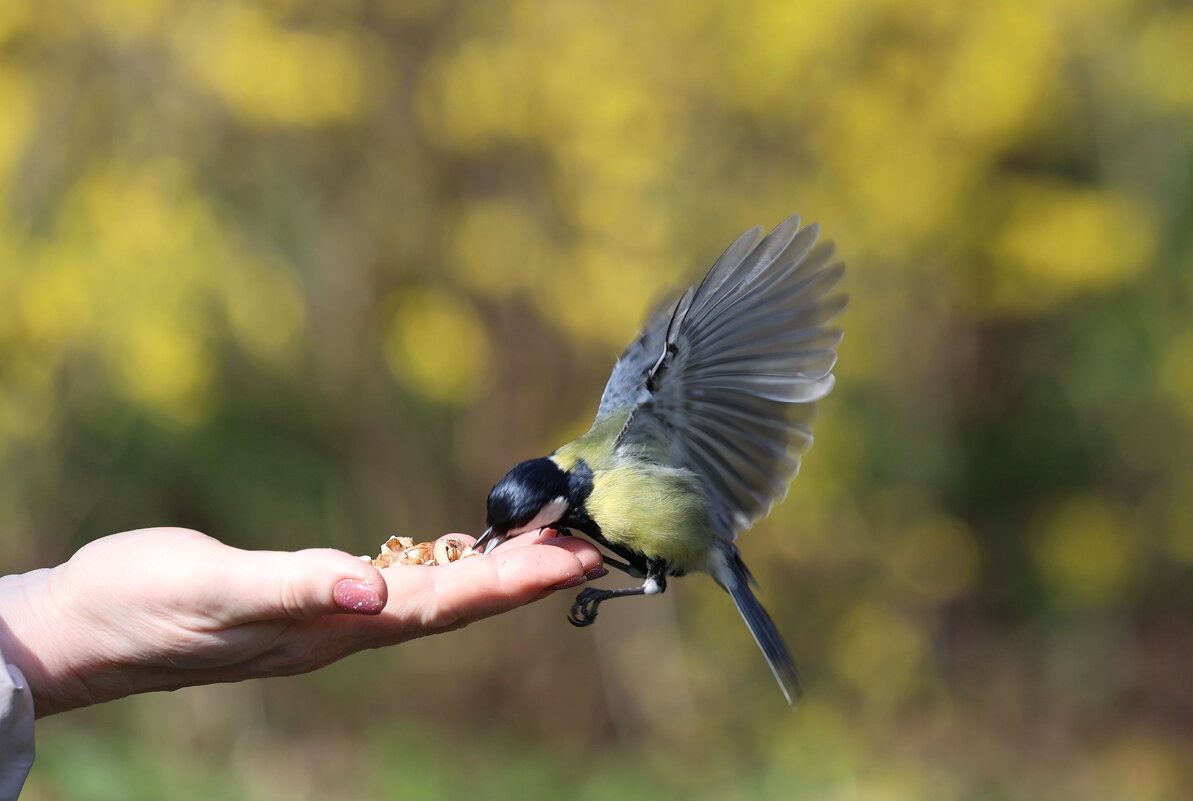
(311, 273)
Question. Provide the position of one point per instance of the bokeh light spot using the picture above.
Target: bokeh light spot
(436, 345)
(1084, 551)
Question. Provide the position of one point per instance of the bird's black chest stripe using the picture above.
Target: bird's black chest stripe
(579, 483)
(579, 488)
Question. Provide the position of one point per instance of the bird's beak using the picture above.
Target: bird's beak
(488, 541)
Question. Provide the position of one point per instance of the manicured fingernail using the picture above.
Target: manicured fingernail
(595, 572)
(352, 595)
(569, 583)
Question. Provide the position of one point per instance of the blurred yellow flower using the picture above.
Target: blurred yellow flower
(269, 73)
(125, 20)
(132, 280)
(56, 306)
(435, 345)
(602, 296)
(498, 246)
(1059, 240)
(14, 16)
(167, 368)
(17, 99)
(476, 96)
(988, 91)
(1084, 550)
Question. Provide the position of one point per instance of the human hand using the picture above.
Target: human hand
(164, 608)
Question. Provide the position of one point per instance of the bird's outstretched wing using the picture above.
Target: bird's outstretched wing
(627, 383)
(724, 380)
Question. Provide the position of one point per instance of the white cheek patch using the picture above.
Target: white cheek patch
(551, 512)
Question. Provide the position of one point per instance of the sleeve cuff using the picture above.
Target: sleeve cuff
(16, 731)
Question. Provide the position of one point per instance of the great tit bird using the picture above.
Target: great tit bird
(699, 431)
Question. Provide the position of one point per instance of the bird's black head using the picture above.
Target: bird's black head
(534, 494)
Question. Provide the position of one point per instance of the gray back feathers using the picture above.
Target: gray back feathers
(724, 380)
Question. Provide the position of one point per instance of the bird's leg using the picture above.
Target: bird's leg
(584, 610)
(628, 567)
(625, 567)
(634, 564)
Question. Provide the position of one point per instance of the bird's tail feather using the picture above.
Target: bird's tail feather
(736, 580)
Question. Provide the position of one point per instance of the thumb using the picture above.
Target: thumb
(263, 585)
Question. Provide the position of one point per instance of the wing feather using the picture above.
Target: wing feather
(627, 383)
(724, 380)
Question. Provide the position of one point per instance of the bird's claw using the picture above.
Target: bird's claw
(584, 610)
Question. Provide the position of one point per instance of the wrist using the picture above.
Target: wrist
(36, 636)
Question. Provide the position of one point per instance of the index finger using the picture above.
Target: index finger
(440, 597)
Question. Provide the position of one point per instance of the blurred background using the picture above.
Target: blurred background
(310, 273)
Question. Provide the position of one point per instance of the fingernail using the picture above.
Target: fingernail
(569, 583)
(595, 572)
(352, 595)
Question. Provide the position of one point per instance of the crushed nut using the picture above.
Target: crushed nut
(405, 551)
